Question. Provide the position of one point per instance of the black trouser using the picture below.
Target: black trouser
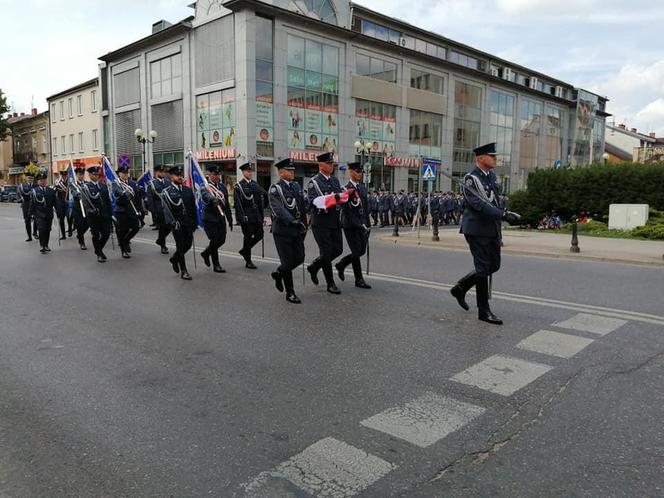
(486, 257)
(184, 239)
(330, 246)
(291, 255)
(164, 228)
(100, 228)
(61, 222)
(216, 232)
(374, 216)
(43, 227)
(126, 228)
(357, 243)
(253, 234)
(81, 225)
(398, 218)
(27, 220)
(384, 218)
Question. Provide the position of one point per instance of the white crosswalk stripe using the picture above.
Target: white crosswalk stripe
(554, 343)
(595, 324)
(424, 420)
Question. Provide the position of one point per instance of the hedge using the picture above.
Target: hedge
(591, 188)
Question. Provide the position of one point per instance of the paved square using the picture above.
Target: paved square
(601, 325)
(554, 343)
(332, 468)
(501, 374)
(424, 420)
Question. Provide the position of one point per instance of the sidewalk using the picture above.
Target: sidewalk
(552, 245)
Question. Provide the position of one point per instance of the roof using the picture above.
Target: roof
(626, 131)
(80, 86)
(180, 27)
(618, 152)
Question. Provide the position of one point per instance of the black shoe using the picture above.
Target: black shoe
(100, 259)
(47, 249)
(362, 284)
(102, 256)
(292, 298)
(206, 257)
(176, 265)
(487, 316)
(340, 271)
(70, 233)
(42, 250)
(278, 281)
(125, 255)
(62, 238)
(83, 248)
(313, 273)
(218, 269)
(460, 296)
(29, 239)
(332, 289)
(241, 252)
(185, 275)
(129, 247)
(164, 250)
(249, 264)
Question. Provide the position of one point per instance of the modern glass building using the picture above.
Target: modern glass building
(271, 79)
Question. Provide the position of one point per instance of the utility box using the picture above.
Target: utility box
(627, 216)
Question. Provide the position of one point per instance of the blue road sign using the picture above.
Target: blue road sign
(429, 168)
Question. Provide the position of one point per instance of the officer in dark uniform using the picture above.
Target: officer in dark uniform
(99, 212)
(356, 223)
(434, 209)
(61, 204)
(180, 212)
(373, 207)
(42, 205)
(288, 227)
(157, 186)
(216, 213)
(325, 223)
(77, 192)
(249, 212)
(481, 226)
(24, 190)
(127, 213)
(399, 209)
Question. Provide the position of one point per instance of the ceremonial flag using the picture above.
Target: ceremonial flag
(108, 174)
(329, 201)
(70, 182)
(144, 181)
(198, 182)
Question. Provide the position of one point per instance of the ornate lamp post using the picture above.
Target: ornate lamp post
(143, 140)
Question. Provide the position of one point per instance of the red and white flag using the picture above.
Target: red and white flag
(329, 201)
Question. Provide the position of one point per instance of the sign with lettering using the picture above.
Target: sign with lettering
(402, 162)
(306, 156)
(217, 154)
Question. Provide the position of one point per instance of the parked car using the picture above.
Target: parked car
(9, 193)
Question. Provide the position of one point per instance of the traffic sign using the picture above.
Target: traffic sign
(429, 168)
(558, 164)
(342, 167)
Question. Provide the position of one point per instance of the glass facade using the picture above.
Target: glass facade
(216, 119)
(373, 67)
(313, 95)
(501, 129)
(425, 134)
(423, 80)
(530, 122)
(264, 88)
(377, 123)
(553, 136)
(166, 76)
(467, 122)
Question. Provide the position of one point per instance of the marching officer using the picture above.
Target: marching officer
(289, 227)
(180, 212)
(42, 205)
(249, 212)
(481, 226)
(61, 200)
(325, 223)
(127, 213)
(157, 186)
(24, 190)
(216, 213)
(356, 223)
(77, 191)
(99, 212)
(373, 207)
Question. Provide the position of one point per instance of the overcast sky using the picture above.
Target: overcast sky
(611, 47)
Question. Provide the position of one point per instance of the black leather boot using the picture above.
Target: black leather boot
(462, 287)
(483, 310)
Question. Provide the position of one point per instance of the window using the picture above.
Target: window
(313, 102)
(55, 146)
(93, 101)
(264, 89)
(463, 60)
(63, 144)
(95, 139)
(71, 143)
(126, 87)
(530, 122)
(214, 44)
(381, 32)
(553, 135)
(377, 123)
(374, 67)
(80, 141)
(79, 105)
(54, 116)
(166, 76)
(216, 120)
(70, 107)
(425, 134)
(62, 110)
(501, 128)
(467, 120)
(427, 81)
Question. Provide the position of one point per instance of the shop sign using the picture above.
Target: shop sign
(217, 154)
(402, 162)
(17, 170)
(306, 156)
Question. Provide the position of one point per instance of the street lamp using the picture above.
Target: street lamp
(364, 149)
(143, 140)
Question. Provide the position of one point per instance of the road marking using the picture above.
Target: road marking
(554, 343)
(425, 420)
(501, 374)
(505, 296)
(334, 469)
(600, 325)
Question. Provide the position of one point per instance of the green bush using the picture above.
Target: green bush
(653, 230)
(592, 189)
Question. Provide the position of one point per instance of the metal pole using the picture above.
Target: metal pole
(575, 239)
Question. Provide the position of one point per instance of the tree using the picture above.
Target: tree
(4, 109)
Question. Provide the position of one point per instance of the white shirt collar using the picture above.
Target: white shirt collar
(354, 183)
(324, 175)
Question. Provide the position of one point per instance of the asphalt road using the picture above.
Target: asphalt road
(121, 380)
